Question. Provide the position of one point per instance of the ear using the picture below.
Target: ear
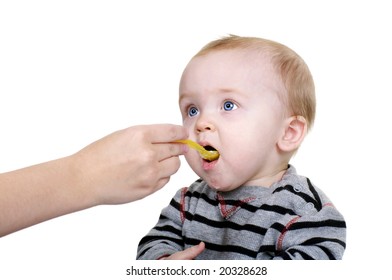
(295, 129)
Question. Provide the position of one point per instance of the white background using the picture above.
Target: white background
(73, 71)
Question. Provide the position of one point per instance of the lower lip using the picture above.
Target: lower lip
(208, 165)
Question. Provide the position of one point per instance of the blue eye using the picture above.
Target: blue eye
(229, 106)
(192, 111)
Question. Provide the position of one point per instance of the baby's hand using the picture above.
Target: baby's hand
(187, 254)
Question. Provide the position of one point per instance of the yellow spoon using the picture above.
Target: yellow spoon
(208, 155)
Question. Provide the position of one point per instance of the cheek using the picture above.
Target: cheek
(251, 144)
(190, 127)
(240, 158)
(260, 133)
(188, 122)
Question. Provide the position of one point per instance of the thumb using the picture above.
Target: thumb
(194, 251)
(190, 253)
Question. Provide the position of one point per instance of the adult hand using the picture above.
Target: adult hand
(131, 163)
(122, 167)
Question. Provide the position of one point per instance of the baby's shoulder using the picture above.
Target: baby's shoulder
(300, 194)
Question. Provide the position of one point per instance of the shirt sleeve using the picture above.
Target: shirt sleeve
(166, 237)
(318, 235)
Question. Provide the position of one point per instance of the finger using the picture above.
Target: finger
(163, 133)
(193, 252)
(165, 169)
(161, 183)
(190, 253)
(168, 167)
(168, 150)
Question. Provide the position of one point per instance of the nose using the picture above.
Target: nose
(203, 125)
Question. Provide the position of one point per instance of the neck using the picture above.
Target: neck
(269, 178)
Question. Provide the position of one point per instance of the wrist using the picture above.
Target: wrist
(81, 181)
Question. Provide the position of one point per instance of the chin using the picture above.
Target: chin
(219, 187)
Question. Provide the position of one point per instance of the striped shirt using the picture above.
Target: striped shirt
(292, 219)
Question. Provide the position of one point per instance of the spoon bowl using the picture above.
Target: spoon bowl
(205, 154)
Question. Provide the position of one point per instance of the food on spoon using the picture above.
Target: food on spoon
(205, 154)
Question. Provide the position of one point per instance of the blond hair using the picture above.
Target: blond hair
(295, 74)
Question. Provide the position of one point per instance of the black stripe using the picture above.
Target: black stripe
(287, 254)
(267, 248)
(168, 228)
(266, 207)
(284, 255)
(318, 224)
(319, 204)
(327, 252)
(163, 218)
(140, 254)
(223, 248)
(196, 195)
(251, 208)
(278, 226)
(245, 206)
(304, 196)
(199, 180)
(147, 239)
(151, 238)
(203, 196)
(175, 204)
(277, 209)
(303, 254)
(230, 225)
(318, 240)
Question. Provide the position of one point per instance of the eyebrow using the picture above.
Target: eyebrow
(229, 90)
(183, 96)
(219, 91)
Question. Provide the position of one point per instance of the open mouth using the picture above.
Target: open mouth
(211, 149)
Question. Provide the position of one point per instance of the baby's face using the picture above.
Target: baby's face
(229, 101)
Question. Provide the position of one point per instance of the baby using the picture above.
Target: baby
(253, 101)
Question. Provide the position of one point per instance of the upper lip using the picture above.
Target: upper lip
(208, 144)
(205, 144)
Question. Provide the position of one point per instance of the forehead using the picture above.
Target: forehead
(231, 68)
(232, 60)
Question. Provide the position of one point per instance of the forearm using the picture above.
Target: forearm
(34, 194)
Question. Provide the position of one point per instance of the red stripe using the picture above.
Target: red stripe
(182, 204)
(227, 212)
(328, 204)
(284, 231)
